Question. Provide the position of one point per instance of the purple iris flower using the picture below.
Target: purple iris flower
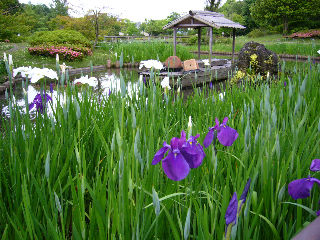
(301, 188)
(244, 194)
(109, 93)
(315, 165)
(193, 152)
(231, 213)
(210, 85)
(39, 103)
(225, 134)
(284, 83)
(183, 155)
(51, 88)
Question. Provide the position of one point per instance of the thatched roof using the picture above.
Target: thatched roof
(203, 19)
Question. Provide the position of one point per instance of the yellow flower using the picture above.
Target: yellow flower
(253, 57)
(240, 74)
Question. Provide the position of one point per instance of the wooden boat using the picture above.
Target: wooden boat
(220, 70)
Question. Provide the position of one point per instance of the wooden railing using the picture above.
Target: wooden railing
(143, 38)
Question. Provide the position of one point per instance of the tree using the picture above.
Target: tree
(173, 16)
(153, 27)
(275, 12)
(230, 7)
(239, 11)
(95, 14)
(9, 6)
(16, 26)
(60, 7)
(109, 24)
(129, 27)
(249, 22)
(40, 13)
(212, 5)
(233, 10)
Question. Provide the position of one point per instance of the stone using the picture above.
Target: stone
(109, 63)
(261, 59)
(6, 84)
(190, 64)
(2, 89)
(173, 62)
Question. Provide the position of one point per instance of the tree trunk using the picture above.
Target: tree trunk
(285, 25)
(96, 28)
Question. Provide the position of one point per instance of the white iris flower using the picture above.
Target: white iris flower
(92, 81)
(151, 64)
(165, 83)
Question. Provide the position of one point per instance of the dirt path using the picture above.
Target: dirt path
(16, 47)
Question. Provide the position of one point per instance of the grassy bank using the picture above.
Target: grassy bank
(276, 43)
(139, 51)
(86, 171)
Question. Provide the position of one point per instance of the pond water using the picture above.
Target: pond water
(109, 81)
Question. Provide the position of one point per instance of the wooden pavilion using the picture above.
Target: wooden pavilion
(198, 20)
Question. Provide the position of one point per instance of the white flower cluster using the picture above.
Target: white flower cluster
(165, 83)
(35, 74)
(206, 62)
(151, 64)
(92, 81)
(10, 62)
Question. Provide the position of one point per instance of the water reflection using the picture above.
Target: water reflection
(109, 82)
(20, 101)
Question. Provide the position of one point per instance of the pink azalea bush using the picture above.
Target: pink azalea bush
(69, 53)
(306, 34)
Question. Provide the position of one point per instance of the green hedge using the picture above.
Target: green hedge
(194, 40)
(59, 37)
(3, 69)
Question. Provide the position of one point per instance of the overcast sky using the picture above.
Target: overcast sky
(135, 10)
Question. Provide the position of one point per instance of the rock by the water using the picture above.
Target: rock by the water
(173, 62)
(262, 60)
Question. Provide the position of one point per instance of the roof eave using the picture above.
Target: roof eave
(171, 24)
(210, 24)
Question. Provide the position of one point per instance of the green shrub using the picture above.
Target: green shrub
(194, 40)
(299, 29)
(59, 37)
(257, 33)
(3, 70)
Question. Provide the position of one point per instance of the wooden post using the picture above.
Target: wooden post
(174, 41)
(199, 42)
(210, 45)
(233, 42)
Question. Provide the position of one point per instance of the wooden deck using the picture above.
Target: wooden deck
(220, 70)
